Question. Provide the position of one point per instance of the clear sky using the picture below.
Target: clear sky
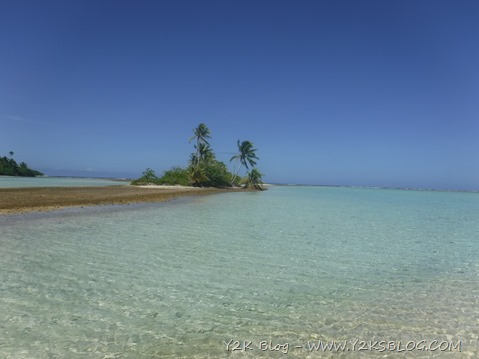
(347, 92)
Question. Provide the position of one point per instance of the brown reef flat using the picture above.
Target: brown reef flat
(19, 200)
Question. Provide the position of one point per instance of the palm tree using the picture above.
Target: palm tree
(255, 179)
(201, 133)
(205, 152)
(197, 175)
(11, 153)
(246, 155)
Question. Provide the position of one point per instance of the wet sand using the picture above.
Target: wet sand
(20, 200)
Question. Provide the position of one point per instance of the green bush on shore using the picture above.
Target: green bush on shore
(211, 174)
(173, 176)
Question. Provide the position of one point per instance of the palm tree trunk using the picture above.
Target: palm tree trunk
(236, 174)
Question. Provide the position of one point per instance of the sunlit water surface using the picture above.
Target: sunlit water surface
(292, 265)
(19, 182)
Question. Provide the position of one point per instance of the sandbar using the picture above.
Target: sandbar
(20, 200)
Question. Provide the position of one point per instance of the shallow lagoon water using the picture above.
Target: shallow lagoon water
(20, 182)
(292, 265)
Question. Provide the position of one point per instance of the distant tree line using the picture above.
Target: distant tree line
(9, 167)
(204, 170)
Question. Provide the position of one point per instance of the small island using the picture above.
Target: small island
(10, 167)
(203, 175)
(204, 170)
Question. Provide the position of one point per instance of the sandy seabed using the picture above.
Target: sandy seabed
(19, 200)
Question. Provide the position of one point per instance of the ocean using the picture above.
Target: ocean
(300, 272)
(20, 182)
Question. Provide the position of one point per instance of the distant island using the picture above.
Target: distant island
(204, 170)
(9, 167)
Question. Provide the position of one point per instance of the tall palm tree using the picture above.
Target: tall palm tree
(246, 155)
(11, 153)
(201, 133)
(205, 152)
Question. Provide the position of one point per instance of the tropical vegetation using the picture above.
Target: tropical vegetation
(204, 170)
(254, 179)
(246, 155)
(10, 167)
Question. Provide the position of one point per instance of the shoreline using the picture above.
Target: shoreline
(40, 199)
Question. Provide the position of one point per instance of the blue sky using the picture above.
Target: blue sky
(377, 93)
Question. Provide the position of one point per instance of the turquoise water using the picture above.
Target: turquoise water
(292, 265)
(16, 182)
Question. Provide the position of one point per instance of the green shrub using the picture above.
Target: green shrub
(148, 177)
(210, 174)
(175, 176)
